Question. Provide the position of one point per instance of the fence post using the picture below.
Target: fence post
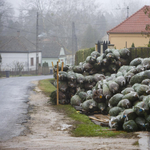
(102, 47)
(96, 45)
(126, 45)
(52, 64)
(57, 83)
(62, 66)
(99, 48)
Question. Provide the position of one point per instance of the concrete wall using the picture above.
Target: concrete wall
(126, 40)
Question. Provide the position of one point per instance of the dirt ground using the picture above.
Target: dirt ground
(49, 130)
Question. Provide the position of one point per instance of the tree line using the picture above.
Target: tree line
(55, 19)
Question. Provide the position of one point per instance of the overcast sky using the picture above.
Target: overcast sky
(110, 5)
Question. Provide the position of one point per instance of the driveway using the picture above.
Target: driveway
(49, 129)
(14, 93)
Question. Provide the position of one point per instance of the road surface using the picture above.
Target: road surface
(14, 93)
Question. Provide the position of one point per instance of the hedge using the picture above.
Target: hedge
(142, 52)
(82, 54)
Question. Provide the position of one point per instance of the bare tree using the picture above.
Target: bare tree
(56, 17)
(6, 11)
(19, 66)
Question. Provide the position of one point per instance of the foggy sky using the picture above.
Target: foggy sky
(106, 5)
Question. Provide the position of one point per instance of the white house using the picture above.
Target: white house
(18, 52)
(52, 51)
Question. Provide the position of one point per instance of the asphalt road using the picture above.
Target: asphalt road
(14, 94)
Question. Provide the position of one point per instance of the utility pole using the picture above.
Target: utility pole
(37, 30)
(74, 42)
(127, 11)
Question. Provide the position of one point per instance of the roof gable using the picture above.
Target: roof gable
(62, 52)
(52, 49)
(16, 44)
(136, 23)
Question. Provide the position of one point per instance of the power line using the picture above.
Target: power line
(35, 33)
(63, 37)
(6, 16)
(69, 38)
(17, 29)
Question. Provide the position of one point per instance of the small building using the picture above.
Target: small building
(52, 51)
(18, 52)
(132, 30)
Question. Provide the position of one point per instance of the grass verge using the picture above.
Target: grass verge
(84, 126)
(46, 86)
(82, 123)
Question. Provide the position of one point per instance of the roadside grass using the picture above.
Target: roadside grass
(136, 143)
(46, 86)
(82, 124)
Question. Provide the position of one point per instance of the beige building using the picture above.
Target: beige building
(132, 30)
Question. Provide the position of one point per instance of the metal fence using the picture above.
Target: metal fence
(102, 46)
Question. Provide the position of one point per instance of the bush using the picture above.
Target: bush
(53, 97)
(82, 54)
(148, 44)
(132, 45)
(142, 52)
(45, 64)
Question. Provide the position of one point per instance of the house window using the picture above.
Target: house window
(32, 62)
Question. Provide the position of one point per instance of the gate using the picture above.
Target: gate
(102, 46)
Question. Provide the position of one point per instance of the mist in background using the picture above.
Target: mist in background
(65, 20)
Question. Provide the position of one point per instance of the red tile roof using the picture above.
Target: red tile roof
(136, 23)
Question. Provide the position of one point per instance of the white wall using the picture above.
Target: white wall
(10, 59)
(49, 61)
(54, 60)
(33, 55)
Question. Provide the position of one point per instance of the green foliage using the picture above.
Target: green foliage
(45, 68)
(45, 64)
(82, 54)
(132, 45)
(84, 126)
(53, 97)
(148, 44)
(142, 52)
(46, 86)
